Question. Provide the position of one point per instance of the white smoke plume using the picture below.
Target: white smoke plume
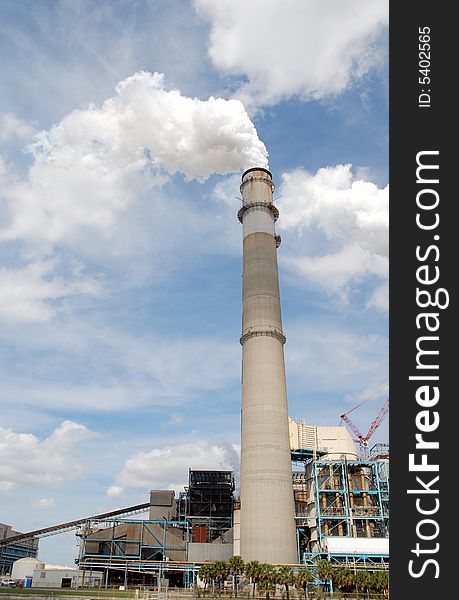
(89, 167)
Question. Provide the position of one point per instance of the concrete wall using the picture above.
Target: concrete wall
(209, 552)
(237, 532)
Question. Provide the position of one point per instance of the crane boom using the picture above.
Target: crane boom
(379, 419)
(355, 430)
(360, 438)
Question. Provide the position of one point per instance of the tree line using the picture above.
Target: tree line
(265, 578)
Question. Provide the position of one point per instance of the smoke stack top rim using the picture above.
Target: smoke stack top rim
(256, 169)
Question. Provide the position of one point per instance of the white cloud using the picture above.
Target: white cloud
(44, 504)
(167, 467)
(107, 370)
(380, 297)
(341, 225)
(226, 192)
(345, 208)
(11, 127)
(175, 418)
(32, 293)
(115, 491)
(6, 486)
(88, 168)
(24, 458)
(294, 47)
(335, 272)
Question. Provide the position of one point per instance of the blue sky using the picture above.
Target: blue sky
(121, 251)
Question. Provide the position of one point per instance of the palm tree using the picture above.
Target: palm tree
(303, 577)
(384, 579)
(344, 579)
(361, 581)
(325, 571)
(221, 572)
(268, 579)
(236, 567)
(379, 582)
(286, 577)
(205, 574)
(213, 574)
(253, 569)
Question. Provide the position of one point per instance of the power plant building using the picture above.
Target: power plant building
(305, 493)
(15, 550)
(341, 499)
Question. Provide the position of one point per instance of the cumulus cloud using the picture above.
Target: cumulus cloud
(335, 272)
(167, 467)
(115, 491)
(44, 504)
(346, 218)
(24, 458)
(294, 47)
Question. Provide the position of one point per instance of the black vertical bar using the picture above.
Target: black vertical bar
(423, 75)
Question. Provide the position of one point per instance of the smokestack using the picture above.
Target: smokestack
(267, 506)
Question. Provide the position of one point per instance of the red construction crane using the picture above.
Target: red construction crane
(362, 440)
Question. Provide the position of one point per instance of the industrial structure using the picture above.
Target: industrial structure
(306, 492)
(334, 442)
(266, 480)
(342, 511)
(341, 514)
(179, 534)
(12, 549)
(341, 497)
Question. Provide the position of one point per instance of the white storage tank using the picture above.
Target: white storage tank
(24, 567)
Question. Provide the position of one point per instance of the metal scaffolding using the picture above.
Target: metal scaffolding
(135, 550)
(352, 498)
(341, 499)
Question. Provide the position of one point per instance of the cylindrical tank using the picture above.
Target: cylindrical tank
(24, 567)
(267, 505)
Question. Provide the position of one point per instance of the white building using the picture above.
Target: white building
(64, 577)
(24, 567)
(335, 441)
(53, 576)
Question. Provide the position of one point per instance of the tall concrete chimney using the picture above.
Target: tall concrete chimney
(267, 507)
